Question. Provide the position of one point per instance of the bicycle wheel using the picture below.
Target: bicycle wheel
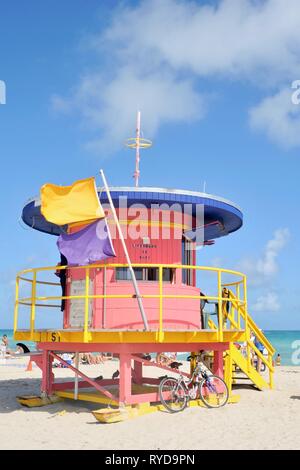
(172, 395)
(213, 391)
(263, 367)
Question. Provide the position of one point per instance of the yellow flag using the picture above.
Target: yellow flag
(79, 202)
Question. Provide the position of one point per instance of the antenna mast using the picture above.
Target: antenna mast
(137, 143)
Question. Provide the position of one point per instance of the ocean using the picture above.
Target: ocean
(286, 343)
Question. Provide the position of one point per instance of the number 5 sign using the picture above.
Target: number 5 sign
(55, 337)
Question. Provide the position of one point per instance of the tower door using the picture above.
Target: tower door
(76, 308)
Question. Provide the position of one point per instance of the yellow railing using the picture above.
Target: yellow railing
(251, 328)
(32, 278)
(238, 311)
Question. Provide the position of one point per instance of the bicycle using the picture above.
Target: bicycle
(262, 367)
(176, 393)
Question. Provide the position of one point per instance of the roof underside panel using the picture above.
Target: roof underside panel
(216, 209)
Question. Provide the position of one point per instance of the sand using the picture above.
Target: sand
(261, 420)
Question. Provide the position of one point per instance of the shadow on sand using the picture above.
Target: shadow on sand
(12, 388)
(236, 387)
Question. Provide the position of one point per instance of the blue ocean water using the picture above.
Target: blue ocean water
(286, 343)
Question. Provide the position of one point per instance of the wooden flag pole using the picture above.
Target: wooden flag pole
(134, 281)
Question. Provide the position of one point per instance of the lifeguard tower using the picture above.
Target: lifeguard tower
(102, 313)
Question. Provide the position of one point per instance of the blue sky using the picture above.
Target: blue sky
(213, 81)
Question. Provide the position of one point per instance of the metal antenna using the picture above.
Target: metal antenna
(138, 143)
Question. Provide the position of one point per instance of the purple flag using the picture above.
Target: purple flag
(91, 244)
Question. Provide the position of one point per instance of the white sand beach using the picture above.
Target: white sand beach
(261, 420)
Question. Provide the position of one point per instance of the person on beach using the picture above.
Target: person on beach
(225, 308)
(203, 315)
(4, 342)
(261, 348)
(225, 305)
(21, 349)
(4, 345)
(62, 274)
(166, 358)
(252, 352)
(278, 360)
(89, 358)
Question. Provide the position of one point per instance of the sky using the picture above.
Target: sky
(216, 83)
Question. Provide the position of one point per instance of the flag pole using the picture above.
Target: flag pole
(136, 287)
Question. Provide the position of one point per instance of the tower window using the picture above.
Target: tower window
(145, 274)
(186, 256)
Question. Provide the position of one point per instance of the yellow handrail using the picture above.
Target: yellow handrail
(238, 310)
(134, 265)
(238, 302)
(128, 296)
(16, 305)
(160, 280)
(220, 310)
(33, 301)
(232, 283)
(250, 325)
(37, 301)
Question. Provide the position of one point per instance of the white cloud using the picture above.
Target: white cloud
(60, 104)
(235, 37)
(265, 267)
(279, 118)
(155, 51)
(216, 262)
(269, 302)
(161, 98)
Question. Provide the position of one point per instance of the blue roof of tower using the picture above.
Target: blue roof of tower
(215, 208)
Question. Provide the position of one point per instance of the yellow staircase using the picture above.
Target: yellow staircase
(240, 356)
(238, 360)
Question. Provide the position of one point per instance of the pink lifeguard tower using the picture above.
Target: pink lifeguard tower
(105, 313)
